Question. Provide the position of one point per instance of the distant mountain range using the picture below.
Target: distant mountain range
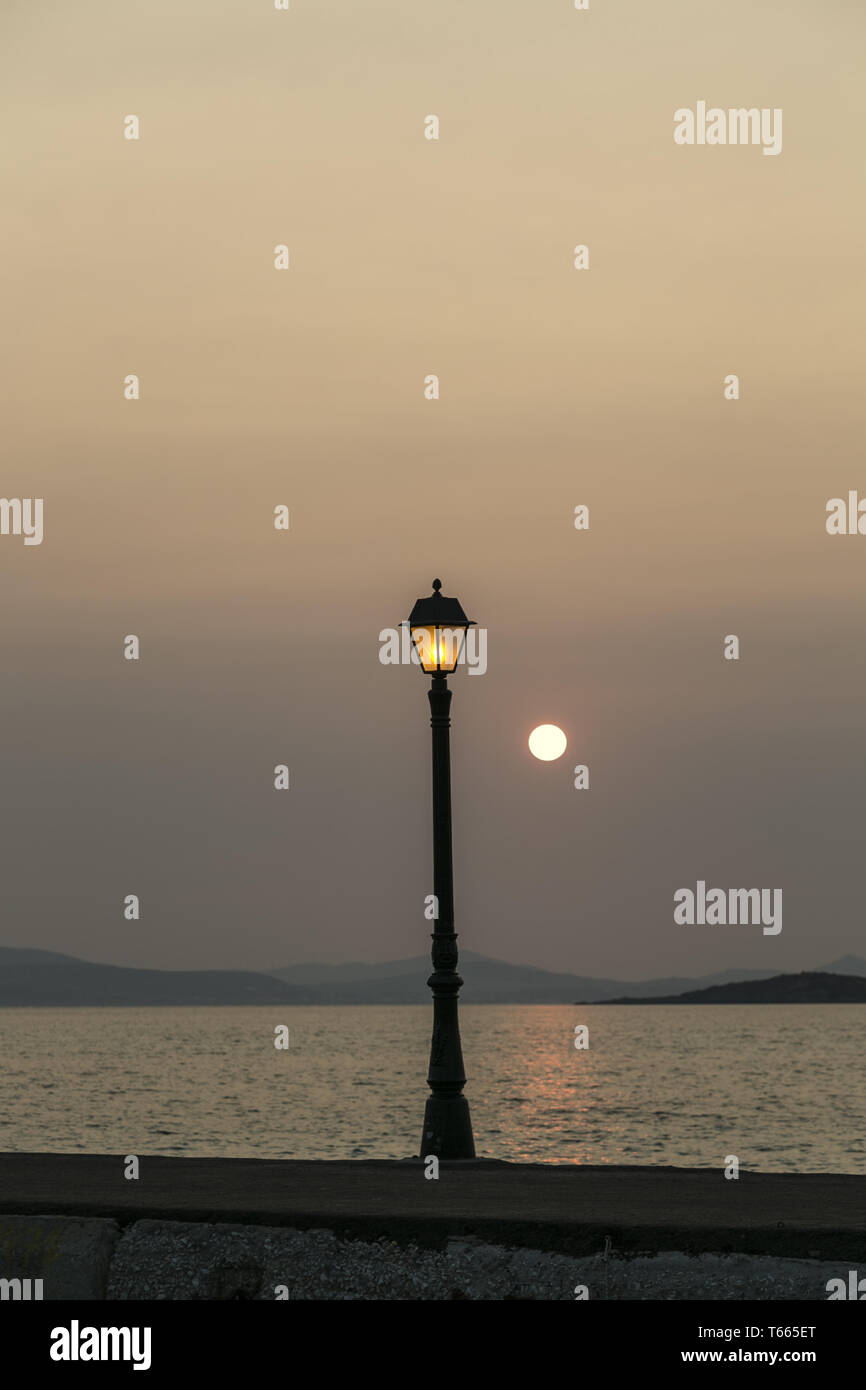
(45, 978)
(30, 977)
(489, 981)
(809, 987)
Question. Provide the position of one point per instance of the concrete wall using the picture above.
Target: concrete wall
(94, 1258)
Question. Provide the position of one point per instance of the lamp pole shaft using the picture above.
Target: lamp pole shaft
(447, 1125)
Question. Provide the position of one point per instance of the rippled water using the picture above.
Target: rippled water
(783, 1087)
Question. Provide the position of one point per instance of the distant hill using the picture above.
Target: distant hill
(45, 979)
(809, 987)
(487, 981)
(845, 965)
(28, 955)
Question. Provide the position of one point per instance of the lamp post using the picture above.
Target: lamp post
(438, 627)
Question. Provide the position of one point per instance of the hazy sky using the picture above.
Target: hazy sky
(305, 387)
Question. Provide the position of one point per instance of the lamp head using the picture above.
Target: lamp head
(438, 626)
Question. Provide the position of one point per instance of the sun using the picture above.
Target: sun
(547, 742)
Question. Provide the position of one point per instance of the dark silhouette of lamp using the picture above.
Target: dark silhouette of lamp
(438, 628)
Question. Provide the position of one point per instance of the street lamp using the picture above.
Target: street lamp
(438, 627)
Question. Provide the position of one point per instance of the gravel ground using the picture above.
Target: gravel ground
(191, 1260)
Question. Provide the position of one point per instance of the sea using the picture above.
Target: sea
(782, 1087)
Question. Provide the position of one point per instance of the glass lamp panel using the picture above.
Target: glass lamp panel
(449, 646)
(425, 647)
